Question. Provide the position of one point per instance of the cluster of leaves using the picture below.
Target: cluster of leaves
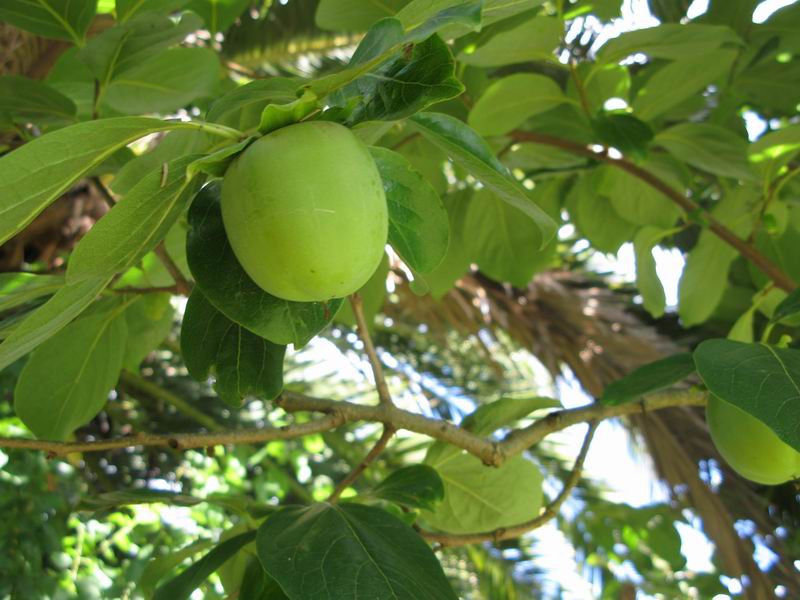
(471, 90)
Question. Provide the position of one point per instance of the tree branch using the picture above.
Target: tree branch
(549, 512)
(750, 252)
(181, 284)
(181, 441)
(379, 447)
(377, 369)
(338, 412)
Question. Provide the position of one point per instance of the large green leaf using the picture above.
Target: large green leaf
(354, 551)
(67, 303)
(705, 277)
(478, 498)
(66, 380)
(21, 97)
(416, 486)
(19, 288)
(789, 306)
(417, 12)
(243, 106)
(182, 586)
(503, 243)
(509, 101)
(244, 364)
(58, 19)
(670, 41)
(218, 14)
(225, 284)
(772, 151)
(472, 153)
(126, 9)
(135, 224)
(418, 226)
(34, 175)
(164, 82)
(594, 214)
(762, 380)
(681, 80)
(149, 321)
(708, 147)
(532, 40)
(354, 15)
(649, 378)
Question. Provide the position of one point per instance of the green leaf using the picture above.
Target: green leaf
(37, 173)
(624, 132)
(66, 380)
(775, 149)
(681, 80)
(705, 276)
(244, 364)
(416, 12)
(159, 566)
(669, 41)
(164, 82)
(638, 202)
(503, 243)
(649, 378)
(530, 156)
(594, 215)
(19, 288)
(789, 306)
(353, 15)
(218, 14)
(354, 551)
(417, 486)
(479, 498)
(121, 48)
(23, 98)
(509, 101)
(57, 19)
(647, 281)
(407, 84)
(127, 9)
(373, 294)
(67, 303)
(708, 147)
(275, 116)
(761, 380)
(418, 226)
(217, 163)
(226, 285)
(136, 224)
(472, 153)
(149, 321)
(182, 586)
(533, 40)
(243, 106)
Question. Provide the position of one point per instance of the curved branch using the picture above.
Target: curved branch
(750, 252)
(491, 452)
(379, 447)
(549, 512)
(357, 305)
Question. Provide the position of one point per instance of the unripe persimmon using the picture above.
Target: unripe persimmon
(749, 446)
(305, 212)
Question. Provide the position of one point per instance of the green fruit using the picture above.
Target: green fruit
(749, 446)
(305, 212)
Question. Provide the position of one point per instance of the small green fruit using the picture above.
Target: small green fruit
(749, 446)
(305, 212)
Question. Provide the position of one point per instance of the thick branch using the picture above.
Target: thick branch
(549, 512)
(379, 447)
(750, 252)
(377, 369)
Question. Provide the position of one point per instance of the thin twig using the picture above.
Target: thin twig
(103, 191)
(549, 512)
(375, 362)
(181, 284)
(748, 251)
(379, 447)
